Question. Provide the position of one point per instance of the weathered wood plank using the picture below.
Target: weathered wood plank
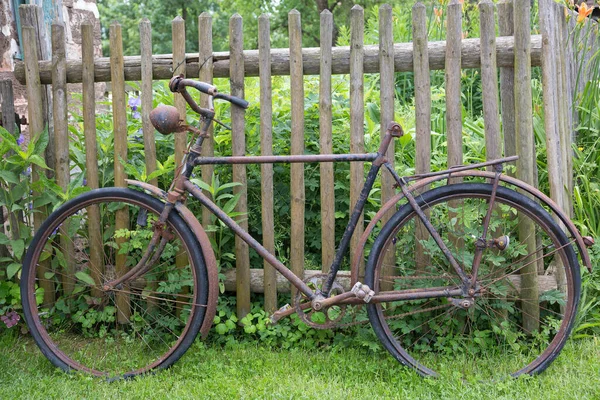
(386, 96)
(91, 152)
(403, 61)
(525, 149)
(61, 143)
(238, 139)
(266, 149)
(178, 37)
(489, 81)
(422, 115)
(120, 142)
(357, 122)
(453, 94)
(7, 106)
(146, 97)
(205, 46)
(507, 79)
(326, 143)
(32, 15)
(297, 195)
(36, 127)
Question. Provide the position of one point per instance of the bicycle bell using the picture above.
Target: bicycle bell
(166, 119)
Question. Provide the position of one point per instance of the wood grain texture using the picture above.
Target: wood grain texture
(386, 96)
(453, 87)
(403, 61)
(266, 149)
(91, 152)
(7, 106)
(326, 144)
(507, 79)
(35, 114)
(489, 81)
(178, 37)
(146, 97)
(297, 195)
(238, 143)
(357, 122)
(205, 73)
(120, 142)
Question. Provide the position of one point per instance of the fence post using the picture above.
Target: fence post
(357, 123)
(91, 152)
(238, 144)
(526, 162)
(266, 149)
(36, 127)
(507, 86)
(146, 97)
(120, 133)
(422, 116)
(7, 107)
(297, 195)
(387, 80)
(326, 143)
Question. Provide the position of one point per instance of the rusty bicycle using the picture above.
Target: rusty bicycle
(472, 264)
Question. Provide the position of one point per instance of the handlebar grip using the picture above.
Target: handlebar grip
(233, 100)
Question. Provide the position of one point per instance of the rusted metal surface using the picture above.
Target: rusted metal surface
(304, 158)
(459, 172)
(209, 256)
(166, 119)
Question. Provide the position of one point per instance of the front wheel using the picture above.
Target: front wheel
(145, 323)
(526, 293)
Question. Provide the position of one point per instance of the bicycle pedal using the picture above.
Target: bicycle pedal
(363, 292)
(277, 315)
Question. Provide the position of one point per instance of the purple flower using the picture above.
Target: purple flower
(20, 140)
(27, 172)
(84, 182)
(136, 115)
(10, 319)
(134, 103)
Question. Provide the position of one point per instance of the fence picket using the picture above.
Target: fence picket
(506, 26)
(266, 149)
(146, 98)
(91, 152)
(326, 143)
(238, 144)
(453, 94)
(357, 122)
(120, 131)
(297, 196)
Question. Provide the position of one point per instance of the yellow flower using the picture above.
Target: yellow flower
(438, 14)
(584, 11)
(580, 148)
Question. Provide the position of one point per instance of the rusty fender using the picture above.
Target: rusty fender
(391, 204)
(207, 252)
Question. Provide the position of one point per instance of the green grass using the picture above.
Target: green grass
(247, 371)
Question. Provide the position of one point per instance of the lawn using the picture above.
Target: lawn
(250, 371)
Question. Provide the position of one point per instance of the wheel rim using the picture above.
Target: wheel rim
(433, 334)
(123, 332)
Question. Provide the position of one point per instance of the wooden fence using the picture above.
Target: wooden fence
(514, 53)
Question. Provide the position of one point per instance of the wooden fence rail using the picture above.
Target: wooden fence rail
(514, 55)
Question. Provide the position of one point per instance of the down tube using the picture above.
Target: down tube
(264, 253)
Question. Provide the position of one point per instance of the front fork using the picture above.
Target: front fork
(468, 283)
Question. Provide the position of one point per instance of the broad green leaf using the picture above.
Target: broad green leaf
(84, 277)
(9, 177)
(18, 247)
(12, 269)
(37, 160)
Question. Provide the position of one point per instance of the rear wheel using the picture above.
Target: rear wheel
(526, 296)
(145, 323)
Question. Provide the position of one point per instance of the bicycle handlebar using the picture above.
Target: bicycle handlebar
(178, 84)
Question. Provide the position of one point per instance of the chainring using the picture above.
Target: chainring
(327, 317)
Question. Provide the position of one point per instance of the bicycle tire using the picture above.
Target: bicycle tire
(147, 323)
(434, 335)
